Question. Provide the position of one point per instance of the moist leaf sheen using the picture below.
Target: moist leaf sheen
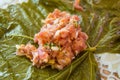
(18, 24)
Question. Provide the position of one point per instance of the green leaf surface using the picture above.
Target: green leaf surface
(18, 24)
(101, 21)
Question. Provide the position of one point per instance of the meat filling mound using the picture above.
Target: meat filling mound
(59, 41)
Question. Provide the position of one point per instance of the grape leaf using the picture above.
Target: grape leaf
(19, 23)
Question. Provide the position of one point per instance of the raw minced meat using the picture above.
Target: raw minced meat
(60, 40)
(77, 6)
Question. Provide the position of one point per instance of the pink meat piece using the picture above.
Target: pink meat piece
(59, 41)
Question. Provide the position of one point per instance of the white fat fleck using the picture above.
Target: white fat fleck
(73, 57)
(76, 34)
(57, 33)
(45, 60)
(56, 21)
(48, 26)
(17, 46)
(76, 52)
(55, 48)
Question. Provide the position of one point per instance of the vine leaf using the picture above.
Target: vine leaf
(20, 22)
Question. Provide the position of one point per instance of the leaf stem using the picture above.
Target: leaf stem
(90, 66)
(24, 36)
(91, 49)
